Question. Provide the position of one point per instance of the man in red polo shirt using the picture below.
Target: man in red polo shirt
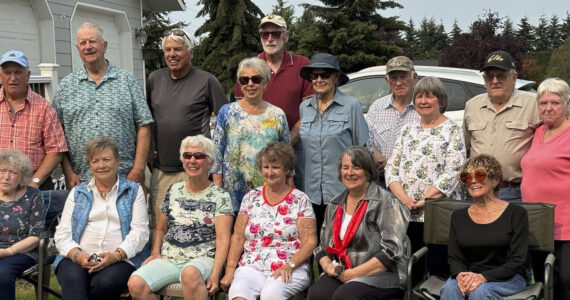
(286, 89)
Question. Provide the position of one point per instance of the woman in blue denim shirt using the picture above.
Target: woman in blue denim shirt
(330, 122)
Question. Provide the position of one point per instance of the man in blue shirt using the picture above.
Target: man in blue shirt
(100, 99)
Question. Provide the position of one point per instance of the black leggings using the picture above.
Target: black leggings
(77, 283)
(327, 288)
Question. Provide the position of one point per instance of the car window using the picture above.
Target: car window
(456, 95)
(366, 90)
(476, 89)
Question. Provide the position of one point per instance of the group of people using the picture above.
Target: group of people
(304, 172)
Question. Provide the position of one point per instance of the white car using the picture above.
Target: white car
(369, 84)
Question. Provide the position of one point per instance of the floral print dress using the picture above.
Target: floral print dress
(22, 218)
(239, 136)
(271, 235)
(424, 157)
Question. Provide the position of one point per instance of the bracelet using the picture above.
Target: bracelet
(118, 259)
(75, 254)
(120, 254)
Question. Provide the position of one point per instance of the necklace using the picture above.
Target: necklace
(103, 195)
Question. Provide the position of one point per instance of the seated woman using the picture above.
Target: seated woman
(363, 249)
(488, 240)
(192, 235)
(275, 230)
(22, 215)
(102, 231)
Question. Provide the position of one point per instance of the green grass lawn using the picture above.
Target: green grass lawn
(25, 291)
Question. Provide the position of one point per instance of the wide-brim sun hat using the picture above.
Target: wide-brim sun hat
(323, 61)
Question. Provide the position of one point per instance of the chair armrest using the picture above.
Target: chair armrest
(548, 273)
(45, 235)
(413, 259)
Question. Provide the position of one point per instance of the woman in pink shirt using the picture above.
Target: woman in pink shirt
(546, 172)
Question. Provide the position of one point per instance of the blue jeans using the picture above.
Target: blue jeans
(10, 268)
(488, 291)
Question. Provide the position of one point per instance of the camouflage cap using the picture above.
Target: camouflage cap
(399, 63)
(275, 19)
(499, 59)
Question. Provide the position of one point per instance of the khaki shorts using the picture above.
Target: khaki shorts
(159, 183)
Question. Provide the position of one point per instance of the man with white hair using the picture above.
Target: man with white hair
(181, 98)
(27, 121)
(100, 99)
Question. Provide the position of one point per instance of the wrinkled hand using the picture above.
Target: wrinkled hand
(213, 283)
(226, 281)
(329, 270)
(82, 260)
(108, 259)
(151, 257)
(136, 176)
(469, 281)
(71, 180)
(346, 275)
(285, 272)
(408, 202)
(419, 205)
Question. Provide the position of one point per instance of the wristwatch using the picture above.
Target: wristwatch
(36, 180)
(291, 264)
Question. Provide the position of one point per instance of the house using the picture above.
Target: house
(45, 31)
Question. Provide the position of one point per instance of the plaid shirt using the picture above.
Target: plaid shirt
(385, 122)
(34, 129)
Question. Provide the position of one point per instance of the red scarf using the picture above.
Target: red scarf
(340, 246)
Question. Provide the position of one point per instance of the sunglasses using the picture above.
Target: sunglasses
(488, 77)
(256, 79)
(176, 32)
(467, 178)
(196, 155)
(323, 75)
(274, 34)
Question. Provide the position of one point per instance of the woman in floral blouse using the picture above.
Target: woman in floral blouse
(22, 219)
(275, 230)
(427, 157)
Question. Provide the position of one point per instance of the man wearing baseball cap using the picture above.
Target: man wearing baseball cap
(501, 122)
(286, 89)
(388, 114)
(27, 120)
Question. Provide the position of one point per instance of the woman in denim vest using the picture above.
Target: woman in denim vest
(103, 232)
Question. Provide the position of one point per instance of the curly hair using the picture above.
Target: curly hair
(20, 162)
(484, 162)
(278, 152)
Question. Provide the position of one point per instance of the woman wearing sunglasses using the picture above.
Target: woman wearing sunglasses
(103, 231)
(243, 128)
(192, 235)
(275, 230)
(488, 240)
(546, 172)
(331, 121)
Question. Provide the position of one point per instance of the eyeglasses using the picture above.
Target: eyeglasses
(274, 34)
(488, 77)
(8, 172)
(196, 155)
(176, 32)
(467, 178)
(256, 79)
(323, 75)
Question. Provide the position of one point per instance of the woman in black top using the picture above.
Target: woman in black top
(488, 241)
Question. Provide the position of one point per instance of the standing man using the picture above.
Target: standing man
(181, 99)
(389, 114)
(100, 99)
(28, 122)
(501, 122)
(286, 89)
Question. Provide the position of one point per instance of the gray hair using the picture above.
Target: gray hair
(20, 162)
(554, 86)
(100, 143)
(256, 64)
(181, 39)
(362, 158)
(199, 141)
(97, 28)
(434, 86)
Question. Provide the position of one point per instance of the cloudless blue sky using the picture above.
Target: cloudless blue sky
(444, 11)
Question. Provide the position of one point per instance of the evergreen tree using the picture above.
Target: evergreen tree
(455, 31)
(525, 33)
(508, 28)
(410, 40)
(353, 31)
(432, 39)
(565, 28)
(558, 65)
(287, 12)
(541, 43)
(155, 26)
(230, 34)
(555, 33)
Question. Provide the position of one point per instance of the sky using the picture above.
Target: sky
(444, 11)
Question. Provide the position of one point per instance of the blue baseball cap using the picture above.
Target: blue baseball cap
(16, 56)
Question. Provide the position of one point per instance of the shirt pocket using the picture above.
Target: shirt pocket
(306, 121)
(518, 129)
(476, 126)
(336, 123)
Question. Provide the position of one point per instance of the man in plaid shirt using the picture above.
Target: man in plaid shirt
(28, 122)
